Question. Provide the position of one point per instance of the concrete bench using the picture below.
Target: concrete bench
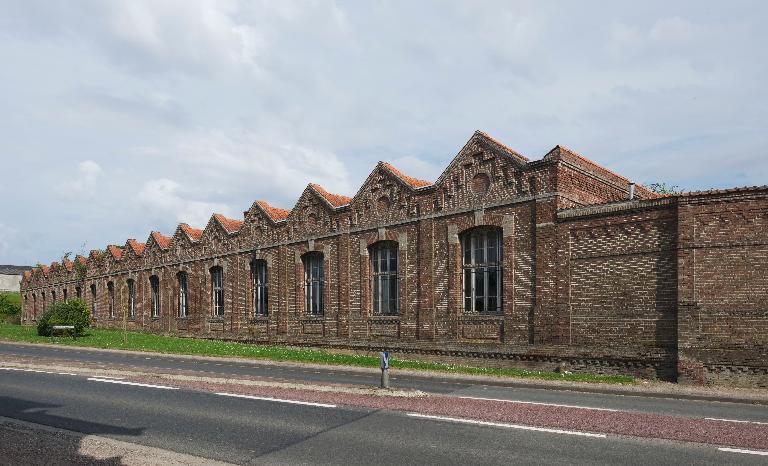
(64, 328)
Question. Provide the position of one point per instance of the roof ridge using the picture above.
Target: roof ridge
(336, 200)
(413, 182)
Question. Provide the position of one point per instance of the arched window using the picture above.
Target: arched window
(154, 284)
(64, 291)
(53, 296)
(93, 300)
(131, 299)
(385, 289)
(217, 291)
(314, 282)
(183, 294)
(34, 305)
(78, 292)
(111, 292)
(259, 285)
(482, 258)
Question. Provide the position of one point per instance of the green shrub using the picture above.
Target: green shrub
(73, 312)
(10, 308)
(44, 323)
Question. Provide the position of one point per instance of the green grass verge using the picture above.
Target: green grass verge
(13, 297)
(100, 338)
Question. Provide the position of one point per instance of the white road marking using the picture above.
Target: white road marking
(136, 384)
(736, 420)
(35, 370)
(279, 400)
(536, 403)
(508, 426)
(747, 452)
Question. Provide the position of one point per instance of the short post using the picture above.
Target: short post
(384, 358)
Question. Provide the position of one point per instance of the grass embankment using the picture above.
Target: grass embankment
(100, 338)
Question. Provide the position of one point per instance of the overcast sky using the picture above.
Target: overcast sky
(118, 118)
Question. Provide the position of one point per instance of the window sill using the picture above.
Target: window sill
(260, 319)
(383, 318)
(312, 318)
(483, 316)
(215, 319)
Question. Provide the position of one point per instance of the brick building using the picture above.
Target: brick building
(502, 261)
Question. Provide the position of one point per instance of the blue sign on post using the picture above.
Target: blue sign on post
(384, 360)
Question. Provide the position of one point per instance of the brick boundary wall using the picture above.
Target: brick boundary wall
(671, 287)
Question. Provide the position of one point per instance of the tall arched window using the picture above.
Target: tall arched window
(314, 282)
(64, 293)
(183, 294)
(259, 285)
(217, 291)
(78, 292)
(154, 284)
(34, 305)
(385, 289)
(93, 300)
(131, 299)
(111, 292)
(53, 296)
(482, 255)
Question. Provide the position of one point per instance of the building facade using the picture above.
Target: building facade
(10, 277)
(502, 261)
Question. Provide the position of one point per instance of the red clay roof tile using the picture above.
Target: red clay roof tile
(274, 213)
(414, 182)
(192, 233)
(161, 240)
(502, 146)
(137, 247)
(116, 251)
(231, 225)
(336, 200)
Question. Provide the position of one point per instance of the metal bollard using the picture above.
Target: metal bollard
(384, 358)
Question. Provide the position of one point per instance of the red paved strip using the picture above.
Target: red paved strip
(620, 423)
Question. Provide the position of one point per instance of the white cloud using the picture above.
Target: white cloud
(165, 199)
(89, 170)
(187, 107)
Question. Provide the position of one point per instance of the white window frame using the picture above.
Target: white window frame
(154, 287)
(479, 269)
(183, 294)
(260, 287)
(217, 291)
(314, 283)
(385, 267)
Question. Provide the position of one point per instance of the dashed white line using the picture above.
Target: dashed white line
(736, 420)
(35, 370)
(537, 403)
(746, 452)
(136, 384)
(278, 400)
(505, 425)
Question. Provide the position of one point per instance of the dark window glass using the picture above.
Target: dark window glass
(93, 300)
(385, 290)
(183, 294)
(260, 288)
(132, 299)
(111, 291)
(314, 282)
(482, 270)
(154, 284)
(217, 285)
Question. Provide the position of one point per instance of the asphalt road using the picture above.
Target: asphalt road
(691, 408)
(247, 431)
